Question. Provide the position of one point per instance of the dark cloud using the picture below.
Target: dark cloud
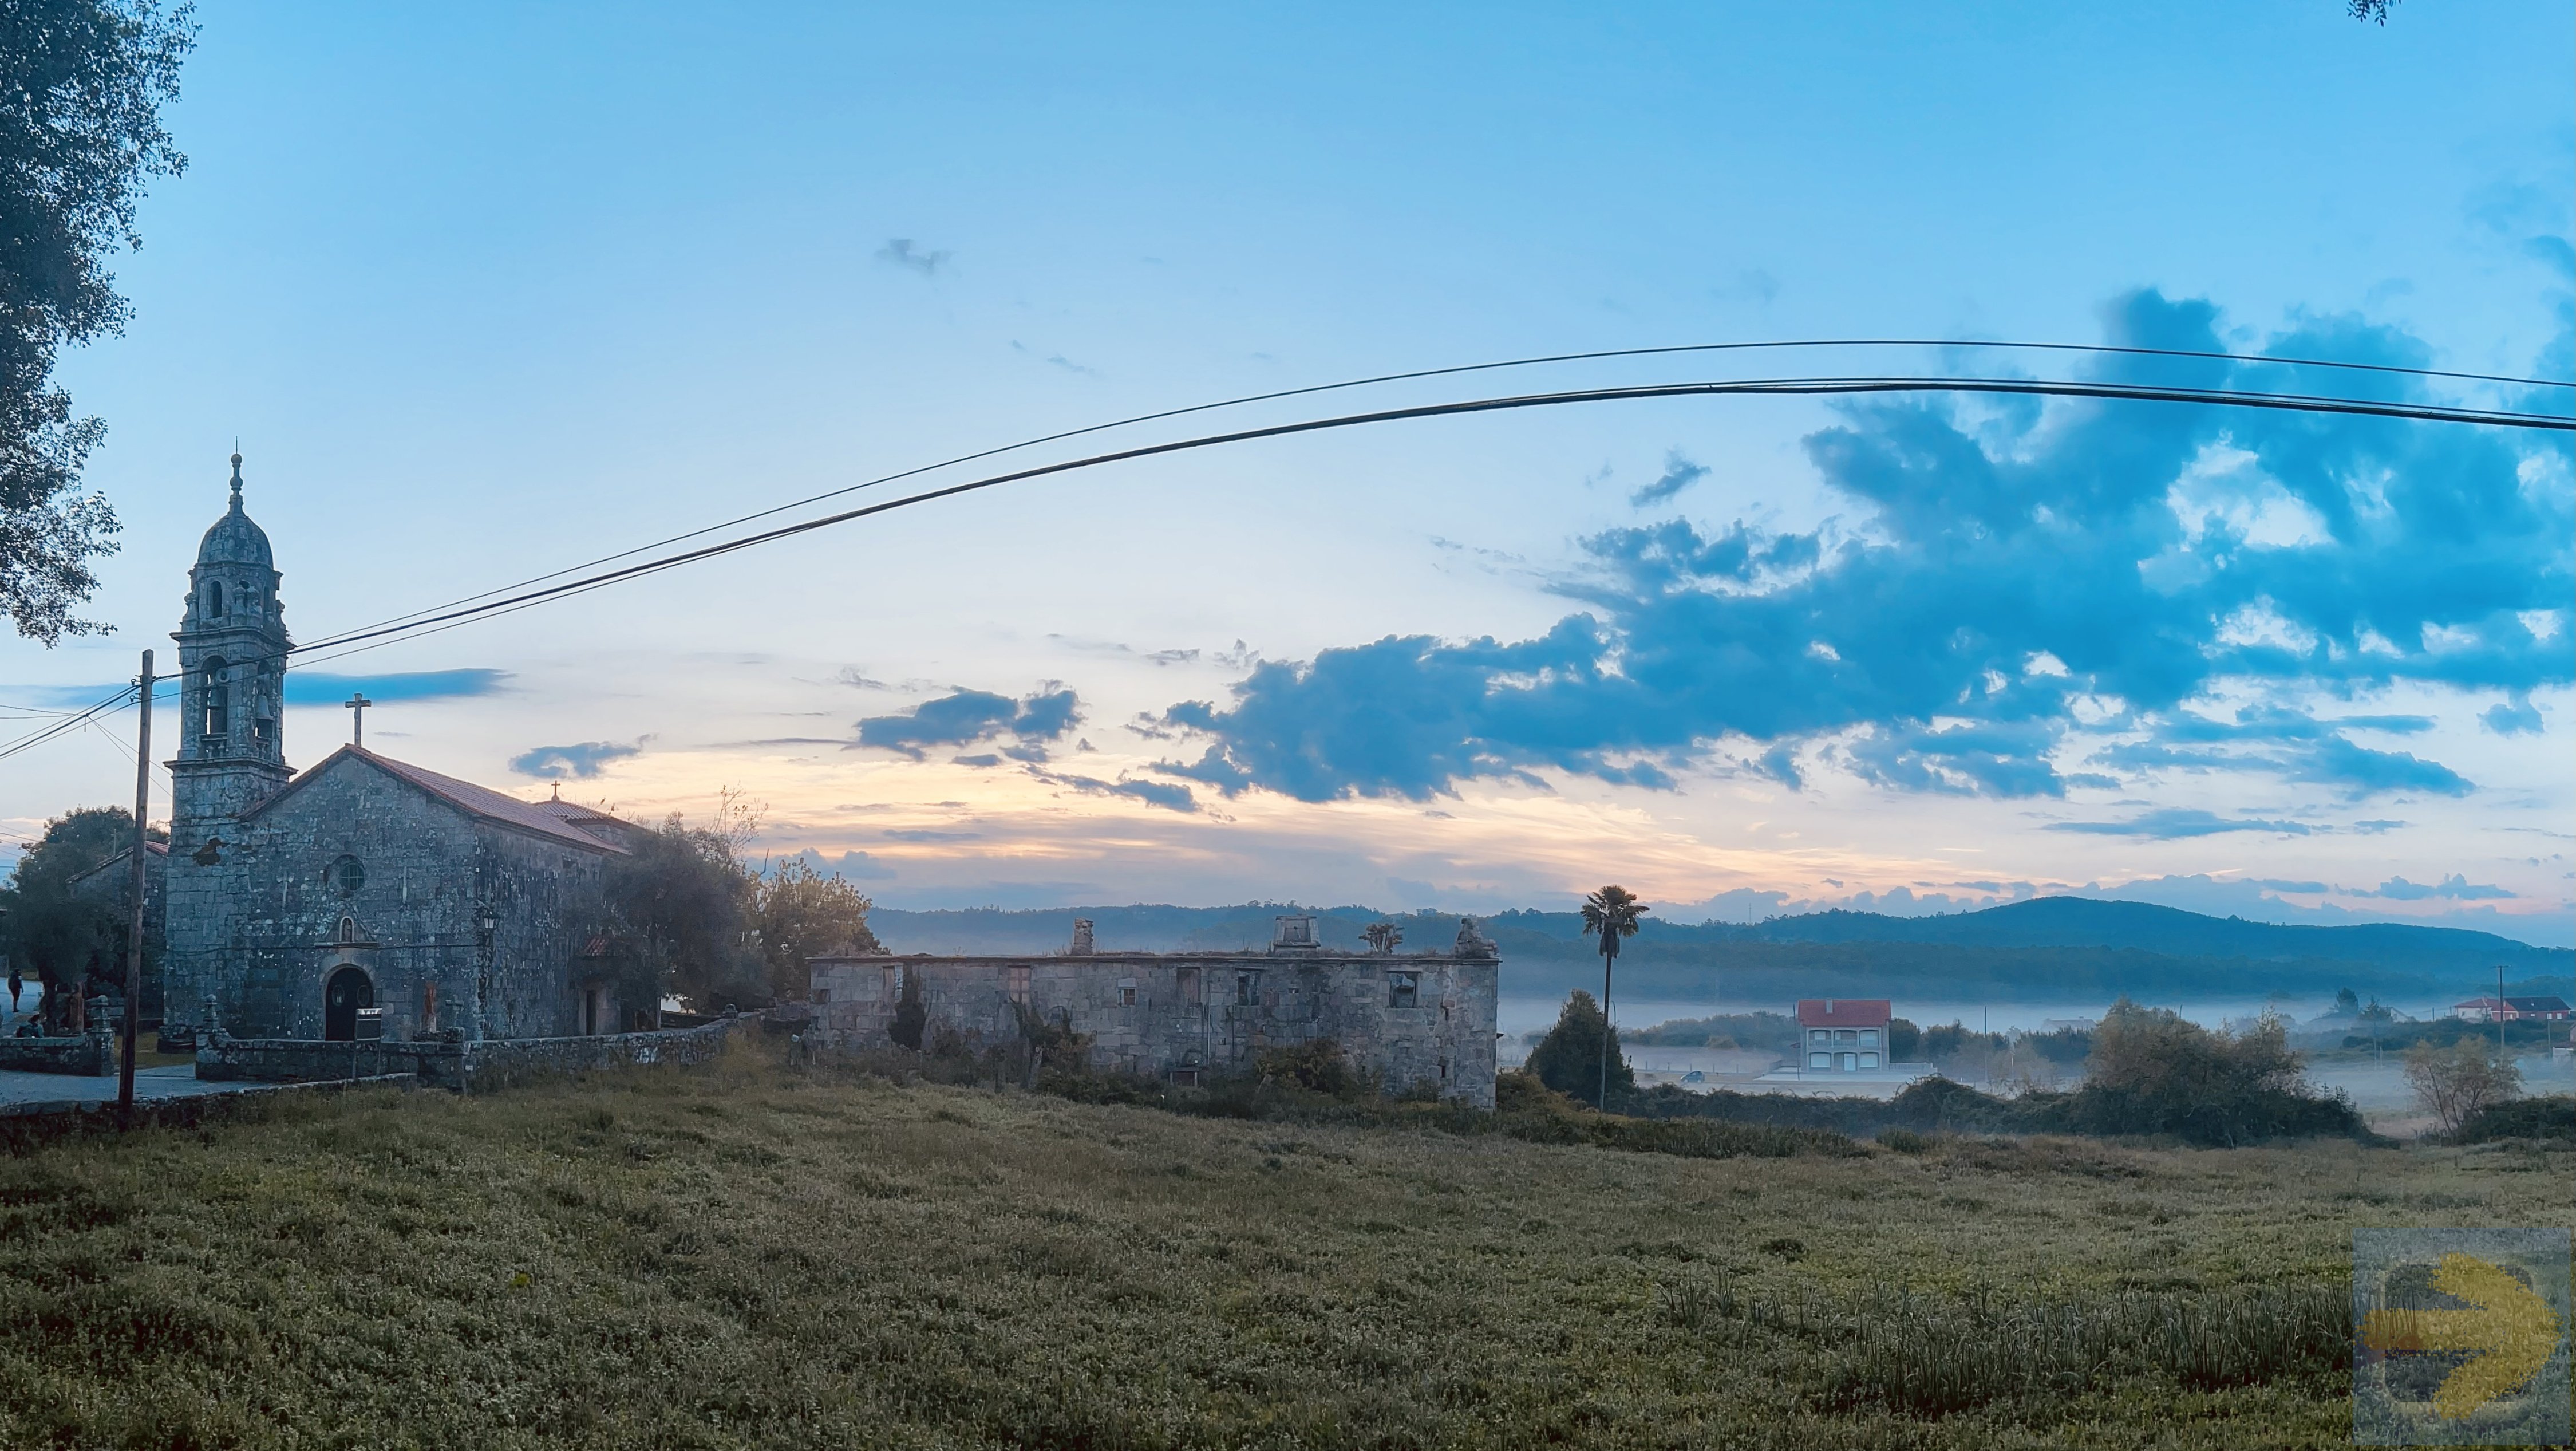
(902, 253)
(972, 717)
(583, 761)
(1679, 474)
(1155, 793)
(2453, 888)
(2175, 823)
(2005, 569)
(304, 687)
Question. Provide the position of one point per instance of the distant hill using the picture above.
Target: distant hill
(2052, 949)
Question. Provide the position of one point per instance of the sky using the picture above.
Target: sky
(485, 292)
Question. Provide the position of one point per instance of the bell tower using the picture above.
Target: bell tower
(232, 673)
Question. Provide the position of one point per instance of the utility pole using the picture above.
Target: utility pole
(2499, 1014)
(135, 880)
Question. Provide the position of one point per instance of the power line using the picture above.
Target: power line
(1464, 368)
(2303, 403)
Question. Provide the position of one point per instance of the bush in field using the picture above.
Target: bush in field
(2456, 1082)
(1568, 1059)
(1316, 1066)
(2157, 1072)
(2552, 1117)
(1953, 1040)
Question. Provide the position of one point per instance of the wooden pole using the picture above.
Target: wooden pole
(136, 879)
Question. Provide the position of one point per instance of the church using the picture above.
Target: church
(366, 895)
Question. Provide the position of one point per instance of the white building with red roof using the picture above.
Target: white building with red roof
(1843, 1035)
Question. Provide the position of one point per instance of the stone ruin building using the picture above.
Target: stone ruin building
(365, 891)
(1406, 1019)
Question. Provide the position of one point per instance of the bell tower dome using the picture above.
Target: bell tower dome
(232, 673)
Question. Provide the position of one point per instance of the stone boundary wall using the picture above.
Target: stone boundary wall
(89, 1055)
(456, 1065)
(501, 1062)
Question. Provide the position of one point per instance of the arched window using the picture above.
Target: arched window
(215, 600)
(348, 874)
(216, 700)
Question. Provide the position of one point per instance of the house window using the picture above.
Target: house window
(1869, 1037)
(1844, 1035)
(1403, 989)
(1247, 989)
(1818, 1035)
(1126, 997)
(1820, 1060)
(1016, 981)
(1869, 1060)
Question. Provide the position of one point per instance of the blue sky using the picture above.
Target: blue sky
(485, 292)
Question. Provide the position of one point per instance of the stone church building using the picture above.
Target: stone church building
(294, 902)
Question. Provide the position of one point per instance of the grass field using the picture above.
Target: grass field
(758, 1255)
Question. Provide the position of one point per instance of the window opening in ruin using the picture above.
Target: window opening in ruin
(215, 599)
(822, 995)
(1403, 989)
(1017, 981)
(1247, 988)
(1189, 985)
(1126, 997)
(429, 1007)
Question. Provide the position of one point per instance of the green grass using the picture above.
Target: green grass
(758, 1255)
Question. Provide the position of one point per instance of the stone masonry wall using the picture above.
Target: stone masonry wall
(457, 1065)
(1176, 1014)
(261, 930)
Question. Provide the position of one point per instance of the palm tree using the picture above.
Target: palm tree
(1613, 912)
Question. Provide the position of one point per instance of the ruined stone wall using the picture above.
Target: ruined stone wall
(1174, 1014)
(261, 929)
(90, 1054)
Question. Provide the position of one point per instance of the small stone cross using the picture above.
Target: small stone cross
(357, 704)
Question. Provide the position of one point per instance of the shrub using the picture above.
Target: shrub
(1568, 1059)
(1904, 1141)
(2456, 1082)
(2552, 1117)
(1317, 1066)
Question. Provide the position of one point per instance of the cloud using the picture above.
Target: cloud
(309, 688)
(1679, 474)
(928, 835)
(972, 717)
(2516, 716)
(902, 253)
(583, 761)
(2123, 544)
(2453, 888)
(857, 866)
(1153, 793)
(2174, 823)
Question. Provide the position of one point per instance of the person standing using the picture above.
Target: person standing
(17, 985)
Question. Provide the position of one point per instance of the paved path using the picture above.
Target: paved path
(18, 1090)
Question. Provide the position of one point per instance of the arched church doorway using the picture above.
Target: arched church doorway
(347, 991)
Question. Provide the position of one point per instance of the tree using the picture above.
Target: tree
(1903, 1038)
(801, 913)
(2455, 1082)
(2155, 1071)
(1572, 1053)
(1612, 912)
(2347, 1003)
(680, 902)
(59, 932)
(2369, 9)
(82, 83)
